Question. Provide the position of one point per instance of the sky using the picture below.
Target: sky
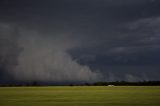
(77, 41)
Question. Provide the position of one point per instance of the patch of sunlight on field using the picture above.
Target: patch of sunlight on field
(80, 95)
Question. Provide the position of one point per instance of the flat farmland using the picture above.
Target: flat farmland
(80, 96)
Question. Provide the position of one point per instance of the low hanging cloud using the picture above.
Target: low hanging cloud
(39, 57)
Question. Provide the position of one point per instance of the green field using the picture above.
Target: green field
(80, 96)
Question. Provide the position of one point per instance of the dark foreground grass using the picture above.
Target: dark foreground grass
(80, 96)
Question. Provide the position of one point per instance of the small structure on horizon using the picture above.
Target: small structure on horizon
(110, 85)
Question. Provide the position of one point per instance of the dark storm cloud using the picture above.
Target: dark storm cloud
(118, 38)
(79, 14)
(133, 50)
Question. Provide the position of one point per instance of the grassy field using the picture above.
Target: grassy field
(80, 96)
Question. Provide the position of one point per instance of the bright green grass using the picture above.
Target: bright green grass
(80, 96)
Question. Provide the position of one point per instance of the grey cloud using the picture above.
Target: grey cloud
(43, 58)
(132, 78)
(9, 50)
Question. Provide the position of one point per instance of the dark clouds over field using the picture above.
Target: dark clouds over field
(79, 40)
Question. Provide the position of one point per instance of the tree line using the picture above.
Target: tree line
(116, 83)
(125, 83)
